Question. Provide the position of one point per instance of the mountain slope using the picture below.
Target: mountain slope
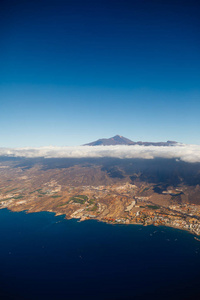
(115, 140)
(120, 140)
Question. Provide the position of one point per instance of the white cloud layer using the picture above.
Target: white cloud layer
(187, 153)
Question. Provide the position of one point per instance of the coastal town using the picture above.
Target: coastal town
(124, 203)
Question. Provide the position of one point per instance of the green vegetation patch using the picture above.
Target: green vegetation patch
(19, 197)
(62, 204)
(92, 208)
(91, 201)
(79, 199)
(40, 191)
(56, 196)
(84, 197)
(153, 206)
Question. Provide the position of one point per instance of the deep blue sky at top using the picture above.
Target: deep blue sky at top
(75, 71)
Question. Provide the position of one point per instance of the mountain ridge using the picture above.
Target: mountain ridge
(120, 140)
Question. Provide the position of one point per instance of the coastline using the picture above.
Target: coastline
(57, 214)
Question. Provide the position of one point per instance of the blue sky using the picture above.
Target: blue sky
(75, 71)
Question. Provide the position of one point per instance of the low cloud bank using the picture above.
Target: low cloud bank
(187, 153)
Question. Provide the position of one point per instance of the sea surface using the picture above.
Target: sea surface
(48, 257)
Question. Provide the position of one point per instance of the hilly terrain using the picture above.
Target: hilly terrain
(125, 191)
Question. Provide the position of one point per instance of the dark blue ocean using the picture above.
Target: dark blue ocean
(48, 257)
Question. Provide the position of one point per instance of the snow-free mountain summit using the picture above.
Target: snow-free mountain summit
(120, 140)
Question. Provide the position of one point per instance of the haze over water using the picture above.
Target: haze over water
(48, 257)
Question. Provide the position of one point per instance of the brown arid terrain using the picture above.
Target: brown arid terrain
(109, 190)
